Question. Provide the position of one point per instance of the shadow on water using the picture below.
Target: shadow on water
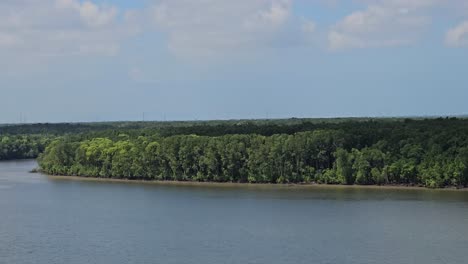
(288, 192)
(17, 172)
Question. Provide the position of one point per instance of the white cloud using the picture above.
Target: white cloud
(269, 19)
(308, 26)
(32, 28)
(212, 27)
(382, 24)
(92, 14)
(209, 28)
(458, 36)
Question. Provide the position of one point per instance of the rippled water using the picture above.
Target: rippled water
(43, 220)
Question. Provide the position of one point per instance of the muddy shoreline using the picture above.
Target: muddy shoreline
(249, 185)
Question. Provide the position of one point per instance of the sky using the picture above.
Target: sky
(104, 60)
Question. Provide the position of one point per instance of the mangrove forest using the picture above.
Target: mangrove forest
(429, 152)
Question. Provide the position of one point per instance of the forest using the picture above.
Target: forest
(415, 152)
(22, 146)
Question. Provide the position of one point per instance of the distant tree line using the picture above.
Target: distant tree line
(432, 153)
(202, 128)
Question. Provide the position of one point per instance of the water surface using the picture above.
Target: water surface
(44, 220)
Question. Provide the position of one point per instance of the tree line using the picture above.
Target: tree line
(431, 152)
(22, 146)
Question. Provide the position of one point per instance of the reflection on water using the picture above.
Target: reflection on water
(48, 220)
(18, 172)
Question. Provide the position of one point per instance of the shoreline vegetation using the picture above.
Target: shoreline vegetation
(430, 152)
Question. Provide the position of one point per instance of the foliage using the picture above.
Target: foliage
(21, 146)
(431, 152)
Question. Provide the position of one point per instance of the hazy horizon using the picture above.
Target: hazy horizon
(25, 122)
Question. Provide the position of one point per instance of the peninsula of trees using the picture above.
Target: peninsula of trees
(424, 152)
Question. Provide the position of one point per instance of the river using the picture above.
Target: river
(47, 220)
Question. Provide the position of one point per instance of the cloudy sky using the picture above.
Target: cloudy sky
(96, 60)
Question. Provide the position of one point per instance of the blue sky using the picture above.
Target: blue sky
(70, 60)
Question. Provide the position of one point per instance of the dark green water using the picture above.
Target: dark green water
(62, 221)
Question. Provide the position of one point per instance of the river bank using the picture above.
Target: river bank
(249, 185)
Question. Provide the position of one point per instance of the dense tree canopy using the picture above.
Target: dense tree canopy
(21, 147)
(432, 152)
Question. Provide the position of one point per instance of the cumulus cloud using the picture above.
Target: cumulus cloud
(59, 28)
(458, 36)
(212, 27)
(269, 19)
(90, 13)
(191, 29)
(382, 24)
